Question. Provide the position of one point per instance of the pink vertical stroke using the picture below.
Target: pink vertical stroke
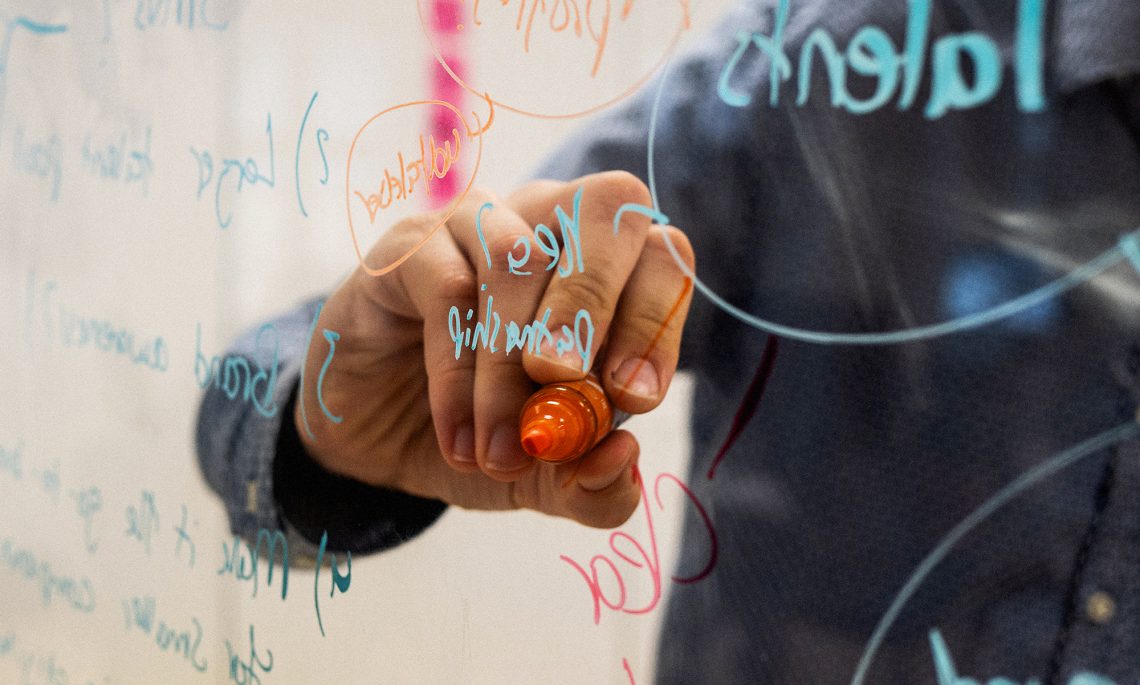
(446, 17)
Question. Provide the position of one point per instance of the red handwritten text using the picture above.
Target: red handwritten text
(649, 560)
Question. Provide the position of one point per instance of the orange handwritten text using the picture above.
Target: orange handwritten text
(434, 162)
(564, 14)
(635, 554)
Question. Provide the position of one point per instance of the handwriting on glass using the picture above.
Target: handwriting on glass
(242, 559)
(536, 335)
(121, 160)
(142, 521)
(141, 614)
(247, 171)
(42, 158)
(54, 319)
(246, 672)
(233, 374)
(948, 673)
(11, 460)
(434, 162)
(564, 15)
(639, 558)
(187, 14)
(872, 54)
(77, 593)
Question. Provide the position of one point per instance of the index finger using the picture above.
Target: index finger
(593, 264)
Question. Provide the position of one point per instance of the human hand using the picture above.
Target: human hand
(428, 415)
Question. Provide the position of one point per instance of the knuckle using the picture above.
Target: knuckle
(449, 386)
(657, 243)
(498, 364)
(396, 241)
(455, 286)
(413, 229)
(536, 188)
(613, 189)
(641, 325)
(595, 295)
(503, 241)
(402, 239)
(604, 512)
(477, 196)
(624, 187)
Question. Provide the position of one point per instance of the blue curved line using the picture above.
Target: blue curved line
(479, 230)
(297, 157)
(651, 143)
(331, 337)
(653, 214)
(10, 26)
(1020, 484)
(1015, 306)
(322, 138)
(39, 27)
(304, 362)
(1130, 245)
(1128, 248)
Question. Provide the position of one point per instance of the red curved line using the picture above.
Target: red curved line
(751, 401)
(714, 547)
(601, 593)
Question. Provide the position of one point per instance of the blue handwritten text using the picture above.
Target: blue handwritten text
(247, 172)
(120, 160)
(233, 375)
(872, 54)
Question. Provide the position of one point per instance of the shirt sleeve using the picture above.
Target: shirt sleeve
(252, 457)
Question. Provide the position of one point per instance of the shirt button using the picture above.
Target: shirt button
(1100, 608)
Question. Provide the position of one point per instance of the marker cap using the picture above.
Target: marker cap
(562, 421)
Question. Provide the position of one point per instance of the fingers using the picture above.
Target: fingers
(601, 489)
(636, 296)
(645, 341)
(510, 289)
(502, 263)
(438, 285)
(592, 269)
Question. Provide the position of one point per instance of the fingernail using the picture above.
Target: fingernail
(613, 478)
(506, 452)
(463, 448)
(638, 377)
(568, 358)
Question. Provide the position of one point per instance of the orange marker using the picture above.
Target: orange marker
(562, 421)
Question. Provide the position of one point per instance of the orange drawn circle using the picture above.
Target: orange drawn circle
(682, 25)
(454, 203)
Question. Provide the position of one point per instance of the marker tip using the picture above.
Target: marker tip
(537, 441)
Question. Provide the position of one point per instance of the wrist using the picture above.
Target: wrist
(357, 516)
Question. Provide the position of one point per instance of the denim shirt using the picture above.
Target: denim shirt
(952, 504)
